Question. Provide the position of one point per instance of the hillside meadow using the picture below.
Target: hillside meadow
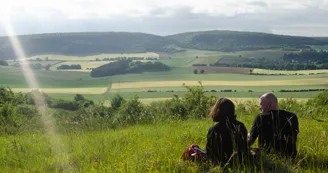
(145, 148)
(135, 137)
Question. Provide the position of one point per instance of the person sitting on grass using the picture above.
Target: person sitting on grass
(227, 139)
(277, 129)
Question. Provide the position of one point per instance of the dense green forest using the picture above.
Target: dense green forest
(128, 66)
(123, 42)
(307, 59)
(307, 56)
(73, 66)
(4, 63)
(86, 44)
(272, 65)
(235, 41)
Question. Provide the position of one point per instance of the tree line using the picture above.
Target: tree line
(128, 66)
(307, 59)
(129, 58)
(3, 63)
(307, 56)
(284, 66)
(73, 66)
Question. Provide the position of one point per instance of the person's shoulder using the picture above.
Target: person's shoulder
(258, 116)
(239, 123)
(287, 113)
(213, 127)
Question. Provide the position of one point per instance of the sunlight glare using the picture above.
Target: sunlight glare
(57, 145)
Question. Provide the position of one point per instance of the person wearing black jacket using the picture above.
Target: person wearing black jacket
(276, 129)
(228, 137)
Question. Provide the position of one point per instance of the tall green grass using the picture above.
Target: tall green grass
(134, 137)
(147, 148)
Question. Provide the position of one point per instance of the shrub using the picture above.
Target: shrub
(319, 100)
(197, 103)
(117, 101)
(130, 113)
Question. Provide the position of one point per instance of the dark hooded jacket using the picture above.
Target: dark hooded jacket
(225, 138)
(277, 131)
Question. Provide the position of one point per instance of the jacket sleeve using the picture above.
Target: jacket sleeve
(254, 132)
(210, 145)
(243, 132)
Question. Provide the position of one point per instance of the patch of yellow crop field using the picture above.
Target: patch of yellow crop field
(306, 72)
(295, 82)
(127, 85)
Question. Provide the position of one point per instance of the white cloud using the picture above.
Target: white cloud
(34, 16)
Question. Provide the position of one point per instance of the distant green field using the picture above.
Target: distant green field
(13, 77)
(184, 58)
(271, 53)
(191, 56)
(318, 48)
(65, 84)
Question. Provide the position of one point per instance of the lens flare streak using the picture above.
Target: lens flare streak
(57, 146)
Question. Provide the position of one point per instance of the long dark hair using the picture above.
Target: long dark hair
(223, 110)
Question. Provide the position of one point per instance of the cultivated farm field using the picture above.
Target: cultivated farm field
(156, 118)
(165, 84)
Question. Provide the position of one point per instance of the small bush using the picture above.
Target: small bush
(117, 101)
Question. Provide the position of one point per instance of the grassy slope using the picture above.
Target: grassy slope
(143, 148)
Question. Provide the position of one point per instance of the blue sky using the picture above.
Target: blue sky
(289, 17)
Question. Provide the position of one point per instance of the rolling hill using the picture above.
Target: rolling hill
(81, 44)
(236, 41)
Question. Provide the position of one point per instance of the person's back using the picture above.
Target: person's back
(224, 139)
(278, 130)
(227, 136)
